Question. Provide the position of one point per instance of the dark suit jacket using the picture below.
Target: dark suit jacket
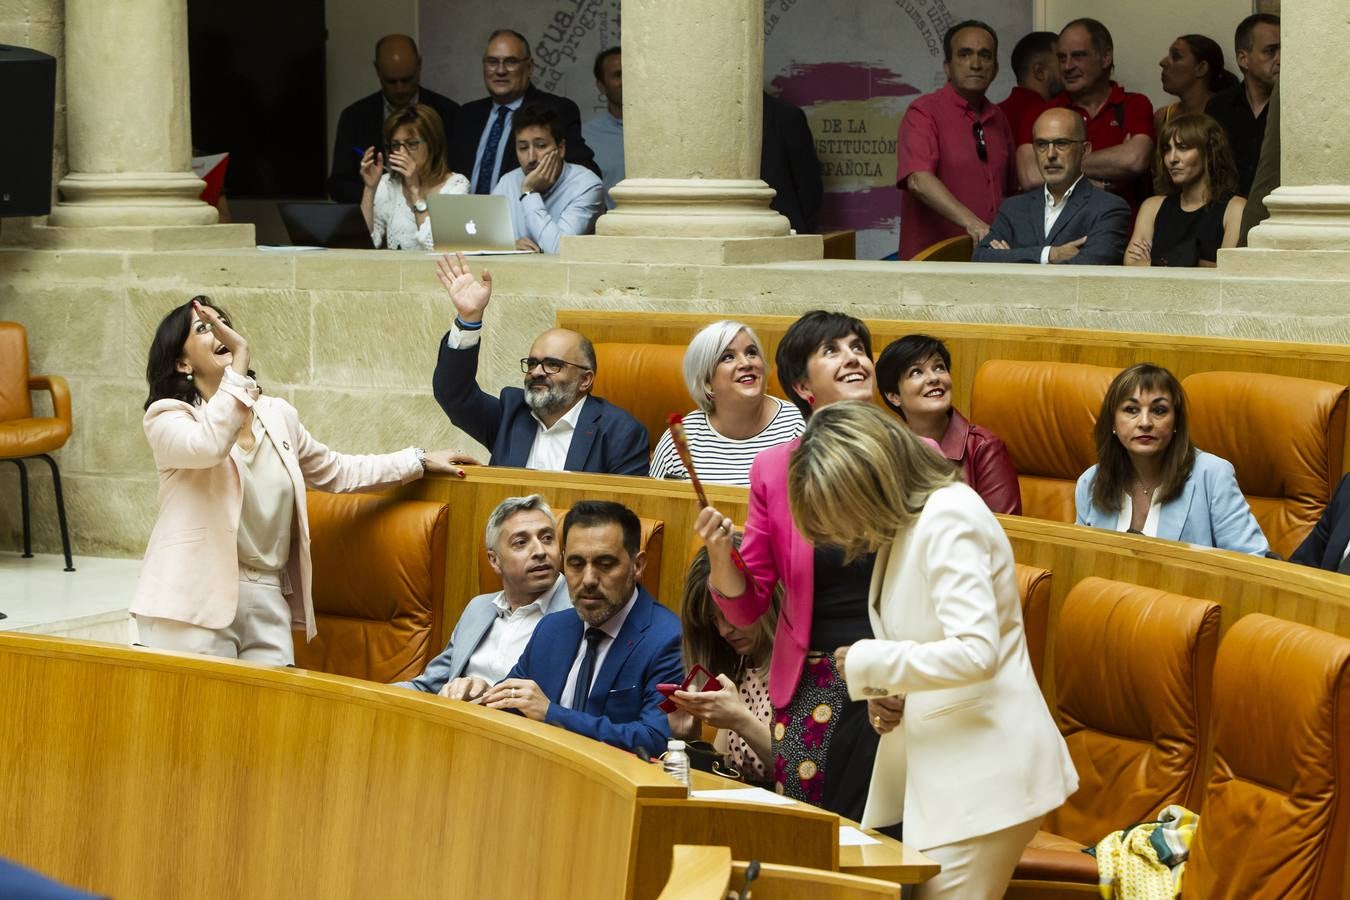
(1103, 217)
(607, 440)
(788, 164)
(473, 118)
(362, 125)
(1325, 544)
(622, 708)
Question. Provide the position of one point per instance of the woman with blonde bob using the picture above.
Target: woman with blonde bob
(980, 760)
(1150, 479)
(736, 418)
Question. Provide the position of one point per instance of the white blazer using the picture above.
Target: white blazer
(978, 750)
(191, 568)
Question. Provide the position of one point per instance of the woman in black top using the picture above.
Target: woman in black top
(1197, 211)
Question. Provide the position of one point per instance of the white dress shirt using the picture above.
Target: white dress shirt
(611, 629)
(1052, 215)
(1127, 513)
(548, 453)
(506, 639)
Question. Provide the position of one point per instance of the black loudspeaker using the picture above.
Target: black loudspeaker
(27, 114)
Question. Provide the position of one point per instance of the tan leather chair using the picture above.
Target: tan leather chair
(379, 585)
(25, 436)
(1284, 437)
(1033, 585)
(646, 380)
(653, 537)
(1044, 412)
(1276, 813)
(953, 249)
(1133, 674)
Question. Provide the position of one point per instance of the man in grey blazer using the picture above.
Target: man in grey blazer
(1070, 220)
(523, 548)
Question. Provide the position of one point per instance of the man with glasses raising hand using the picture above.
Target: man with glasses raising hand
(956, 160)
(480, 143)
(553, 423)
(1069, 219)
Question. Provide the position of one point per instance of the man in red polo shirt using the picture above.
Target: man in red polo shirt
(955, 147)
(1119, 123)
(1035, 65)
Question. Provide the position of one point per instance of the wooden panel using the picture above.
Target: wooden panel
(698, 873)
(971, 345)
(777, 882)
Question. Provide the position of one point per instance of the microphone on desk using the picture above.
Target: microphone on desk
(751, 873)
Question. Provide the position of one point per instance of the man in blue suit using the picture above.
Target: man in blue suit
(554, 423)
(523, 548)
(1326, 545)
(1070, 220)
(594, 669)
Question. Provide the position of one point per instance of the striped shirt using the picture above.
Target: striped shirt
(719, 459)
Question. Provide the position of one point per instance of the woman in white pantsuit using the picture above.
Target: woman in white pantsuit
(977, 759)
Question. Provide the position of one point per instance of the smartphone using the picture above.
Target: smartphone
(710, 683)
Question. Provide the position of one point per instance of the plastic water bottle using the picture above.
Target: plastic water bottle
(676, 762)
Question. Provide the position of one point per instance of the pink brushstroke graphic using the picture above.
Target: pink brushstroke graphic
(807, 84)
(877, 207)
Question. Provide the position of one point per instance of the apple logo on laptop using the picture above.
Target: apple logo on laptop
(471, 227)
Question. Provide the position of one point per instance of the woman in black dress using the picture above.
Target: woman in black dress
(1196, 211)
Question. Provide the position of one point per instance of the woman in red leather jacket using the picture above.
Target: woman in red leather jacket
(914, 375)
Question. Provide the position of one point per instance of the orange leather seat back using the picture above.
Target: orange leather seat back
(1133, 672)
(653, 536)
(1033, 585)
(646, 380)
(379, 585)
(15, 400)
(1284, 437)
(1044, 412)
(1276, 813)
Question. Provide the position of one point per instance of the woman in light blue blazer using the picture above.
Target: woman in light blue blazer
(1150, 479)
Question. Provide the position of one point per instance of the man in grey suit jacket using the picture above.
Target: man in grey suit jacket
(1069, 220)
(523, 548)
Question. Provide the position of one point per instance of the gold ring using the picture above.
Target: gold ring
(876, 720)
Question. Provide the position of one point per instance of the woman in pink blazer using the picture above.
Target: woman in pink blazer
(823, 743)
(227, 570)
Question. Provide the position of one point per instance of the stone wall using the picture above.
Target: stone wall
(350, 337)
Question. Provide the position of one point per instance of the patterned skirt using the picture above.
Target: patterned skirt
(823, 745)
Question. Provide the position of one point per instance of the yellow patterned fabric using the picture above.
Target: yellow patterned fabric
(1146, 861)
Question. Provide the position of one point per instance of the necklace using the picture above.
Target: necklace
(1146, 491)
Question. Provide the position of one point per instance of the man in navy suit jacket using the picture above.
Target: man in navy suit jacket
(594, 669)
(553, 423)
(398, 65)
(1069, 220)
(1325, 545)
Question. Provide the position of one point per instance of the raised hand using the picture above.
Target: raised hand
(372, 167)
(230, 339)
(469, 295)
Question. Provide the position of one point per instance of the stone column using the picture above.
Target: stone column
(128, 117)
(693, 114)
(1311, 208)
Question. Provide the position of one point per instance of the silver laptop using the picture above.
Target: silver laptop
(464, 222)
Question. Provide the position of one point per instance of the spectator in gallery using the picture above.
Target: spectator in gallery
(604, 132)
(788, 164)
(1242, 109)
(548, 196)
(955, 147)
(398, 66)
(1193, 72)
(393, 202)
(1035, 65)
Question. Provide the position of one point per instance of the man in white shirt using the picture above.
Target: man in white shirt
(549, 197)
(552, 423)
(523, 548)
(1069, 219)
(604, 132)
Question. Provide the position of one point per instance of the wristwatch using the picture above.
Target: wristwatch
(421, 456)
(420, 206)
(525, 193)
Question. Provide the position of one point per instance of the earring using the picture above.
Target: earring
(811, 400)
(189, 376)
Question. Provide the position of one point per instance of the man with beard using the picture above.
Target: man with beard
(594, 669)
(553, 423)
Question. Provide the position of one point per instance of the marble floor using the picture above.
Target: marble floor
(38, 597)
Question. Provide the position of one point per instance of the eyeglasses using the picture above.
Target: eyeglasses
(509, 63)
(1060, 144)
(551, 365)
(981, 148)
(410, 146)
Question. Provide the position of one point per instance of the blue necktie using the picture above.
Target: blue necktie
(587, 672)
(488, 167)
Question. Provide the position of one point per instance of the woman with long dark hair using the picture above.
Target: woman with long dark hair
(1151, 479)
(227, 570)
(1196, 211)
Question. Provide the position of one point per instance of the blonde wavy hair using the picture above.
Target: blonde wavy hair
(860, 476)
